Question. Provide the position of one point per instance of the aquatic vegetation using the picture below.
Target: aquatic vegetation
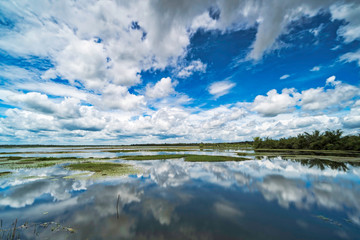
(14, 231)
(101, 169)
(4, 174)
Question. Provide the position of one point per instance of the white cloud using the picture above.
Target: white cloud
(83, 61)
(95, 46)
(315, 69)
(331, 81)
(352, 120)
(320, 98)
(351, 57)
(351, 31)
(161, 89)
(68, 108)
(284, 76)
(350, 13)
(275, 103)
(194, 66)
(221, 88)
(117, 97)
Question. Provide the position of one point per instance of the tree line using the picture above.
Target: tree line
(328, 140)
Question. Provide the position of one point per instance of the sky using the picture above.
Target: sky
(163, 71)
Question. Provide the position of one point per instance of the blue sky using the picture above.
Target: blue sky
(106, 72)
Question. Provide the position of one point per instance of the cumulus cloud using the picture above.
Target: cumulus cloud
(117, 97)
(275, 103)
(320, 98)
(218, 89)
(84, 61)
(352, 120)
(68, 108)
(161, 89)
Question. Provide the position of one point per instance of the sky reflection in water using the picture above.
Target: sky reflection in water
(173, 199)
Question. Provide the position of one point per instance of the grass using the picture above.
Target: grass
(187, 157)
(101, 169)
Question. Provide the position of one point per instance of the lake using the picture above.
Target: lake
(266, 198)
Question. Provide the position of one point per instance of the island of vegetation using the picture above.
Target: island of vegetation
(328, 140)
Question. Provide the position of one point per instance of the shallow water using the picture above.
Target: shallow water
(173, 199)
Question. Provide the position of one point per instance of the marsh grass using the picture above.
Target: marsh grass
(101, 169)
(15, 230)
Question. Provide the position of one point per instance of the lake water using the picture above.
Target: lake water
(173, 199)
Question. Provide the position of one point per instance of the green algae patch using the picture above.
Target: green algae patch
(103, 169)
(187, 157)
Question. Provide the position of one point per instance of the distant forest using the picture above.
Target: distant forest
(328, 140)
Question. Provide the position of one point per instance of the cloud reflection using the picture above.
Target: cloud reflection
(158, 197)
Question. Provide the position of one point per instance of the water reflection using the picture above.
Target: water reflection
(174, 199)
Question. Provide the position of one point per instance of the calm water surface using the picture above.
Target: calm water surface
(173, 199)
